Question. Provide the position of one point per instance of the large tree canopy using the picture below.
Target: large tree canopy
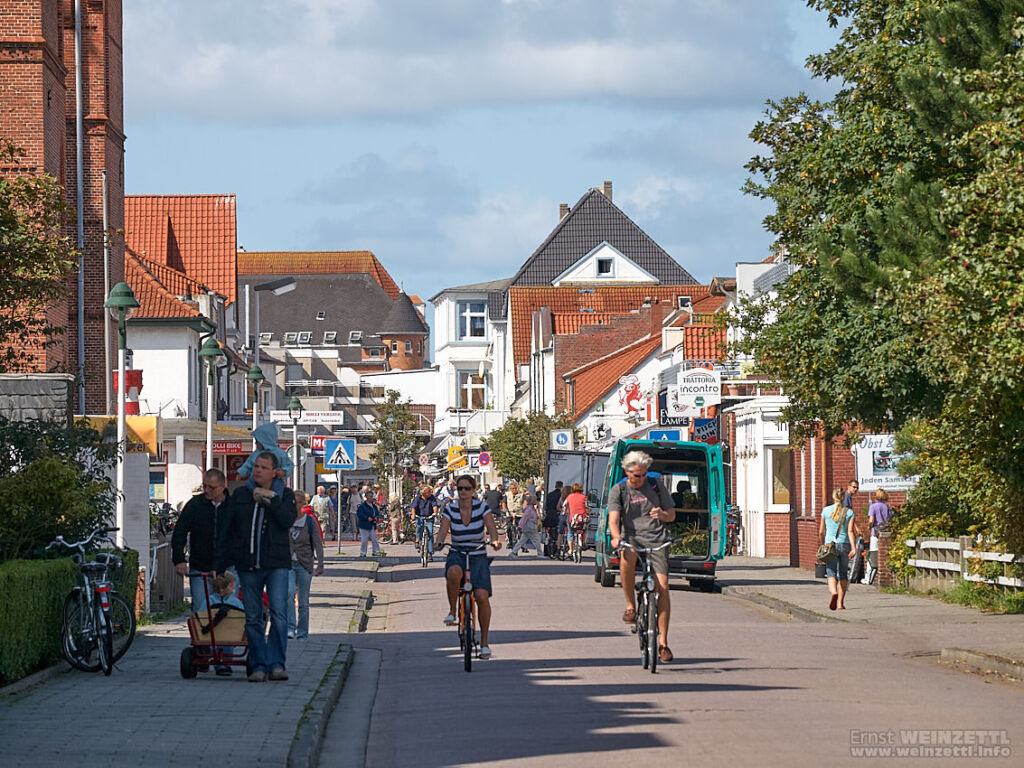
(520, 448)
(901, 200)
(34, 256)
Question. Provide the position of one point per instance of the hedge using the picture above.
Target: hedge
(32, 596)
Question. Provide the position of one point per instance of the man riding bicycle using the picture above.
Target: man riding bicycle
(467, 520)
(424, 507)
(638, 510)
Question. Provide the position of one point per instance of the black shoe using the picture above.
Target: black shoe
(223, 671)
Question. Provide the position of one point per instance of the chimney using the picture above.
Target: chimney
(606, 190)
(563, 210)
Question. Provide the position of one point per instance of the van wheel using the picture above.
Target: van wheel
(607, 578)
(597, 573)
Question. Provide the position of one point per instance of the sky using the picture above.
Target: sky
(443, 135)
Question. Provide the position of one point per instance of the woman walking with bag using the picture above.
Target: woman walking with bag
(836, 529)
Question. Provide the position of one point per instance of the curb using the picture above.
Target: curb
(775, 604)
(309, 733)
(360, 614)
(983, 662)
(36, 678)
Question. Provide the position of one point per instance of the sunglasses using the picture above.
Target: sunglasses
(634, 474)
(465, 487)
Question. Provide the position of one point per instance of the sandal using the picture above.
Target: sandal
(664, 654)
(629, 616)
(485, 652)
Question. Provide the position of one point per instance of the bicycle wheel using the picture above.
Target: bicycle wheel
(652, 631)
(467, 630)
(641, 627)
(78, 639)
(106, 644)
(122, 625)
(424, 548)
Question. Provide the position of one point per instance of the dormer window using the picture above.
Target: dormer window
(305, 337)
(354, 337)
(683, 302)
(330, 337)
(291, 337)
(606, 267)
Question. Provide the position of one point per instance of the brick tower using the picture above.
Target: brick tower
(404, 335)
(37, 91)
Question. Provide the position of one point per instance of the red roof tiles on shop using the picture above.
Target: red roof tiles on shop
(193, 234)
(317, 263)
(609, 300)
(704, 342)
(593, 381)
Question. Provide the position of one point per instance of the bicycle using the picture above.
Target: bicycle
(511, 530)
(423, 541)
(578, 543)
(466, 617)
(645, 625)
(98, 625)
(733, 531)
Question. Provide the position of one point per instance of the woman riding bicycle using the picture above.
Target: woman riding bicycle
(467, 519)
(638, 510)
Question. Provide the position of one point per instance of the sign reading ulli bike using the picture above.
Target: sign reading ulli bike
(695, 389)
(876, 465)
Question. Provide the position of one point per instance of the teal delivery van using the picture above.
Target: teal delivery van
(693, 474)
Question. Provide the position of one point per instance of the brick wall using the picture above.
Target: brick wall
(399, 360)
(776, 535)
(37, 90)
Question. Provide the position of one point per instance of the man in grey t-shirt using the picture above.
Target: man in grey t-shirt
(638, 511)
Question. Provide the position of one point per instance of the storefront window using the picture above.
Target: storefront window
(780, 476)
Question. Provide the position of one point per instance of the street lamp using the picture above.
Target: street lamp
(256, 377)
(211, 351)
(295, 412)
(122, 305)
(277, 287)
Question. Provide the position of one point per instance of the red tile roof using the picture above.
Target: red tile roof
(316, 263)
(158, 287)
(593, 381)
(609, 300)
(571, 322)
(193, 234)
(704, 342)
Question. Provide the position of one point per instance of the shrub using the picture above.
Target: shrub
(32, 595)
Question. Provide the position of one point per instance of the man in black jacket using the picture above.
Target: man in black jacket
(255, 538)
(198, 524)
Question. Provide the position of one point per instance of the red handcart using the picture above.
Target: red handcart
(218, 638)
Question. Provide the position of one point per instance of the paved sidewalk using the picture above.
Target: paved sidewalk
(146, 713)
(983, 642)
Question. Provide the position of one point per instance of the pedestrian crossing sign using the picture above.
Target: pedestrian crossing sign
(340, 454)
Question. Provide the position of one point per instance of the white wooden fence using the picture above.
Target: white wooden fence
(939, 563)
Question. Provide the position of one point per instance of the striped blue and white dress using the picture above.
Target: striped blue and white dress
(468, 535)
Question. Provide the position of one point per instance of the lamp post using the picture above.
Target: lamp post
(255, 377)
(211, 351)
(277, 287)
(295, 411)
(122, 305)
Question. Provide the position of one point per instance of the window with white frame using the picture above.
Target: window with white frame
(373, 352)
(291, 337)
(781, 479)
(330, 337)
(408, 347)
(394, 347)
(305, 337)
(472, 316)
(265, 338)
(606, 268)
(321, 315)
(472, 390)
(354, 337)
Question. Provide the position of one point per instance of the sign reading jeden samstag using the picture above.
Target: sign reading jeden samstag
(695, 389)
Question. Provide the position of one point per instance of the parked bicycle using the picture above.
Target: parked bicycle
(466, 617)
(733, 531)
(646, 623)
(98, 625)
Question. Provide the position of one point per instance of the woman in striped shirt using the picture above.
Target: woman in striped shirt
(467, 519)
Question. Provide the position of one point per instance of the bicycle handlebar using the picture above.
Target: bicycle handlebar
(648, 550)
(102, 531)
(445, 544)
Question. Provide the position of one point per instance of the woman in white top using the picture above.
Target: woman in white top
(468, 519)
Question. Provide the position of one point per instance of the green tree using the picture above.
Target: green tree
(393, 432)
(519, 448)
(35, 258)
(900, 200)
(53, 481)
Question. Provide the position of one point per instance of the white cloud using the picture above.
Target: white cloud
(282, 61)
